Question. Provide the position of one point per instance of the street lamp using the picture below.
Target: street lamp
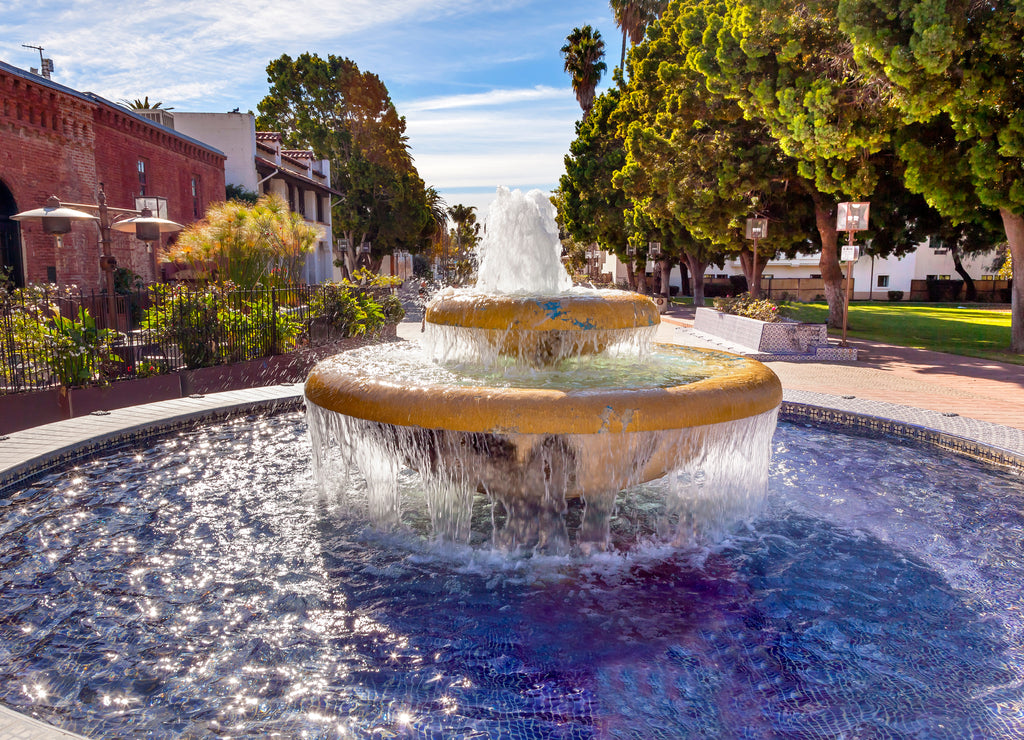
(850, 217)
(757, 228)
(57, 218)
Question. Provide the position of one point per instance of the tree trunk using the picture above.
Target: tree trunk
(630, 275)
(641, 279)
(752, 273)
(684, 278)
(1014, 225)
(831, 270)
(666, 277)
(696, 268)
(958, 265)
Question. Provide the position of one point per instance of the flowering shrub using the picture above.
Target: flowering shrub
(762, 309)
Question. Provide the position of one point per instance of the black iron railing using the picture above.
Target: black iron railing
(51, 336)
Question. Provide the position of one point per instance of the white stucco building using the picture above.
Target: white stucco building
(257, 162)
(873, 278)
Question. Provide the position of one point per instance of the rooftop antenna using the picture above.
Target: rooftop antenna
(45, 65)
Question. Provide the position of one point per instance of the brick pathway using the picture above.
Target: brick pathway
(978, 389)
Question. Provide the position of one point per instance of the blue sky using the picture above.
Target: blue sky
(480, 82)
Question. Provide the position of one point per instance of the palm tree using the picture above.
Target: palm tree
(438, 211)
(633, 17)
(438, 225)
(143, 104)
(583, 52)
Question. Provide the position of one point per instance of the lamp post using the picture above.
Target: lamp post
(57, 218)
(592, 256)
(850, 217)
(757, 228)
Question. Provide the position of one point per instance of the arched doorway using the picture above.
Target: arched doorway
(11, 266)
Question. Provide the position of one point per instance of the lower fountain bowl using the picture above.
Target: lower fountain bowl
(580, 442)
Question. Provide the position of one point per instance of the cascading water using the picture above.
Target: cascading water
(533, 393)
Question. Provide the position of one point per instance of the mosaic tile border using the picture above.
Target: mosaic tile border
(849, 421)
(135, 436)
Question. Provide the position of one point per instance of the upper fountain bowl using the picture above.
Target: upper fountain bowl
(541, 330)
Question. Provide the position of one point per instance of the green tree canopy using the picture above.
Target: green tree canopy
(956, 64)
(346, 116)
(692, 157)
(592, 209)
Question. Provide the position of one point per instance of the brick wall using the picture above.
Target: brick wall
(46, 139)
(55, 141)
(170, 162)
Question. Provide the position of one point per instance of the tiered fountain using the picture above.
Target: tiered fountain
(534, 392)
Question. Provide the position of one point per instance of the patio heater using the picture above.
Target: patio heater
(57, 218)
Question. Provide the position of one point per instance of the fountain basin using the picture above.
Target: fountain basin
(532, 444)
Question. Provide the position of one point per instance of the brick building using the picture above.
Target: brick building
(58, 141)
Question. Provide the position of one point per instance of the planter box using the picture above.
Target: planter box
(786, 340)
(82, 401)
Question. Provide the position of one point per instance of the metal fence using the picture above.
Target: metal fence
(51, 336)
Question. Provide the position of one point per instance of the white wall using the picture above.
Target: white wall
(232, 133)
(917, 265)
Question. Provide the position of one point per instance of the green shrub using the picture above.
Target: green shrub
(393, 309)
(357, 310)
(40, 343)
(77, 347)
(762, 309)
(895, 295)
(218, 323)
(187, 317)
(336, 305)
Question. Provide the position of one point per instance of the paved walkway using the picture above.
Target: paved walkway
(977, 389)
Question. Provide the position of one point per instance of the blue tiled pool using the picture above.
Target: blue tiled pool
(199, 588)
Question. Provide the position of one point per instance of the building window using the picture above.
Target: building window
(320, 209)
(301, 198)
(883, 281)
(196, 199)
(143, 181)
(815, 276)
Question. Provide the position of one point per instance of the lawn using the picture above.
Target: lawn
(968, 330)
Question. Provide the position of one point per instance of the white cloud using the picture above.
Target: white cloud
(492, 97)
(509, 120)
(534, 168)
(123, 50)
